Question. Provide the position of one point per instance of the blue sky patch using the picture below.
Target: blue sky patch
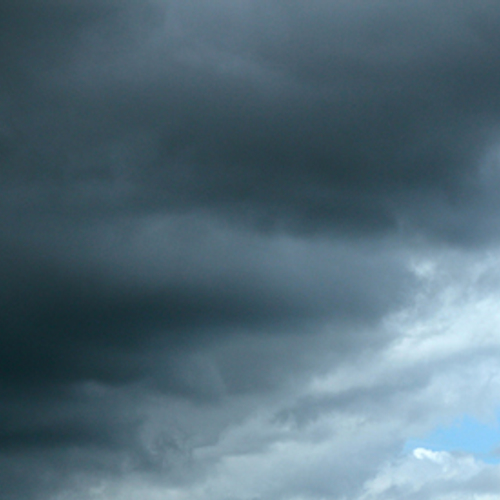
(465, 434)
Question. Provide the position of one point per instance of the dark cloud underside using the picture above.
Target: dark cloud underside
(325, 118)
(193, 193)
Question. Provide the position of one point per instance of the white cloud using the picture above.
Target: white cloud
(436, 475)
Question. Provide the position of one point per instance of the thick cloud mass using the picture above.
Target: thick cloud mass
(352, 116)
(235, 236)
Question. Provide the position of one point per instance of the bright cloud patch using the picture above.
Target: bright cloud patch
(434, 475)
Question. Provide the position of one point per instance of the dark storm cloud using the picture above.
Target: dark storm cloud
(331, 116)
(97, 312)
(184, 306)
(303, 134)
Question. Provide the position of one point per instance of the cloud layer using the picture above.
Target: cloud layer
(249, 249)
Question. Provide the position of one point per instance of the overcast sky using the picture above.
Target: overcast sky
(250, 250)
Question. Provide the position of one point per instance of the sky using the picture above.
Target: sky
(465, 434)
(250, 250)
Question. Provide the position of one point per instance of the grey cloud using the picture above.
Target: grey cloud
(186, 307)
(214, 200)
(133, 295)
(198, 116)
